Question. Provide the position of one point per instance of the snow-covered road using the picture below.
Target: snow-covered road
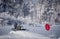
(32, 32)
(22, 35)
(6, 32)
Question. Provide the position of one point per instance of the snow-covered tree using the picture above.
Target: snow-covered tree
(26, 9)
(48, 13)
(10, 9)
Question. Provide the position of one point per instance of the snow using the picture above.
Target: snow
(22, 35)
(32, 32)
(36, 31)
(5, 29)
(6, 32)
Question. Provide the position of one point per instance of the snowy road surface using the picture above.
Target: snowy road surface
(32, 32)
(6, 32)
(22, 35)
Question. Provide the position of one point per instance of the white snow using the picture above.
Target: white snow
(32, 32)
(22, 35)
(6, 32)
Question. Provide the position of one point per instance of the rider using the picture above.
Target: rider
(15, 25)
